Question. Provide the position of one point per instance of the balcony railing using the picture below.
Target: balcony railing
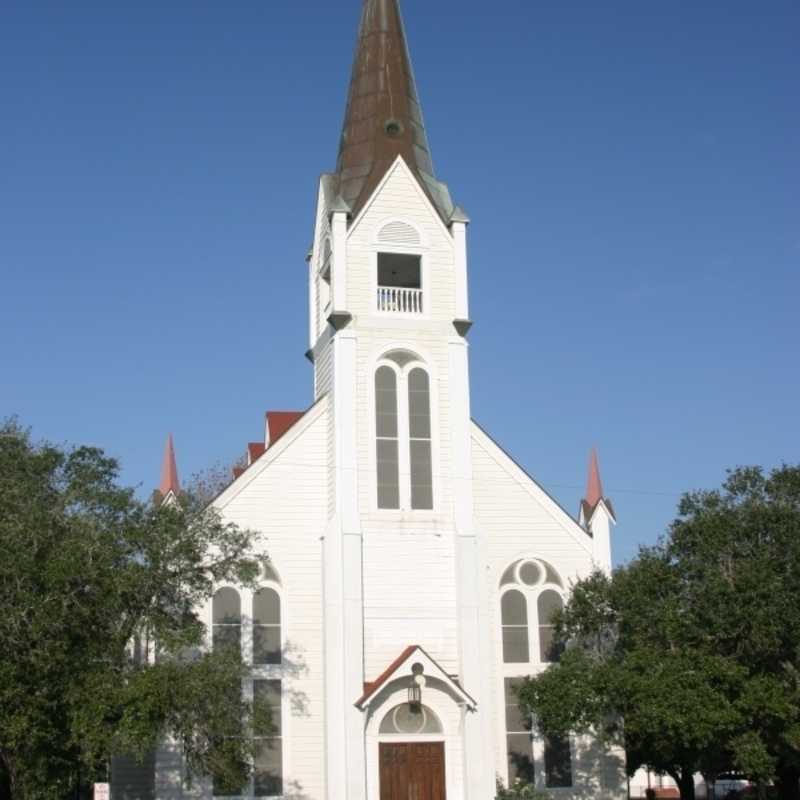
(400, 301)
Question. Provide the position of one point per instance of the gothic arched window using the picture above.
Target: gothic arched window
(227, 619)
(532, 594)
(403, 432)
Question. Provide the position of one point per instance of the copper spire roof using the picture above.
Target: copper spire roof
(383, 117)
(169, 471)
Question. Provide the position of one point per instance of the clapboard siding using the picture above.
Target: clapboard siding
(287, 503)
(516, 518)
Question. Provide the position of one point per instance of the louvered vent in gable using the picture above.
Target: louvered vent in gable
(399, 233)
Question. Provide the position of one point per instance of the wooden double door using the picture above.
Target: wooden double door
(412, 771)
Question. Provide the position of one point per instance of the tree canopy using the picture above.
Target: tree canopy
(86, 570)
(689, 656)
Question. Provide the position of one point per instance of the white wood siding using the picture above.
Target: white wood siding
(287, 502)
(516, 518)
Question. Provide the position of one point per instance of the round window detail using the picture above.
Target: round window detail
(530, 573)
(410, 720)
(393, 128)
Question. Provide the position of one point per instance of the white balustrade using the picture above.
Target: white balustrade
(399, 300)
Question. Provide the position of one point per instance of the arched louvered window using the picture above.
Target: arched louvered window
(266, 627)
(549, 604)
(386, 432)
(514, 608)
(227, 619)
(419, 432)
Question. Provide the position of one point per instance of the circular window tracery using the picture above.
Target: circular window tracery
(531, 572)
(407, 720)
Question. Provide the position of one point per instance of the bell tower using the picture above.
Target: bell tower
(388, 320)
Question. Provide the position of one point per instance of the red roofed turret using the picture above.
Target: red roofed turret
(597, 515)
(594, 486)
(169, 471)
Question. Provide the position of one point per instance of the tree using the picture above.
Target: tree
(688, 656)
(86, 570)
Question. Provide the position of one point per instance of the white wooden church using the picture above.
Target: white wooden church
(415, 565)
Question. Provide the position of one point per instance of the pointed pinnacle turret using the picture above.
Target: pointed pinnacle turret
(383, 118)
(594, 486)
(169, 471)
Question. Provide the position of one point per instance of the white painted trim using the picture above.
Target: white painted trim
(398, 246)
(339, 261)
(399, 163)
(403, 671)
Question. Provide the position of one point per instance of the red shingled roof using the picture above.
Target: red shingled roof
(369, 688)
(255, 450)
(279, 422)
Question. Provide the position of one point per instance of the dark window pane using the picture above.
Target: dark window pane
(552, 576)
(520, 757)
(515, 645)
(550, 603)
(268, 693)
(530, 573)
(386, 403)
(227, 606)
(516, 721)
(419, 404)
(509, 575)
(268, 774)
(226, 789)
(514, 608)
(399, 269)
(266, 644)
(227, 636)
(557, 762)
(549, 649)
(421, 475)
(388, 474)
(267, 607)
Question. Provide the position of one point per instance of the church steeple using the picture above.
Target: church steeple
(169, 483)
(384, 118)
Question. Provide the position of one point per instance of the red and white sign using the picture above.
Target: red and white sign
(102, 791)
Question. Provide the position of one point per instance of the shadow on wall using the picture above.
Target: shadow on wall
(294, 667)
(598, 771)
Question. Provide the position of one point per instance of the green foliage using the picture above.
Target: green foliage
(86, 570)
(688, 656)
(520, 791)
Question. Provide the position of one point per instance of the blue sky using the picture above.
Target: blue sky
(631, 169)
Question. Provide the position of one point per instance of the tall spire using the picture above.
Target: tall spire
(169, 471)
(594, 486)
(383, 117)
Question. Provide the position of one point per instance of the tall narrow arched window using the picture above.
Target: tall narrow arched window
(514, 609)
(227, 619)
(266, 627)
(386, 431)
(419, 433)
(548, 605)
